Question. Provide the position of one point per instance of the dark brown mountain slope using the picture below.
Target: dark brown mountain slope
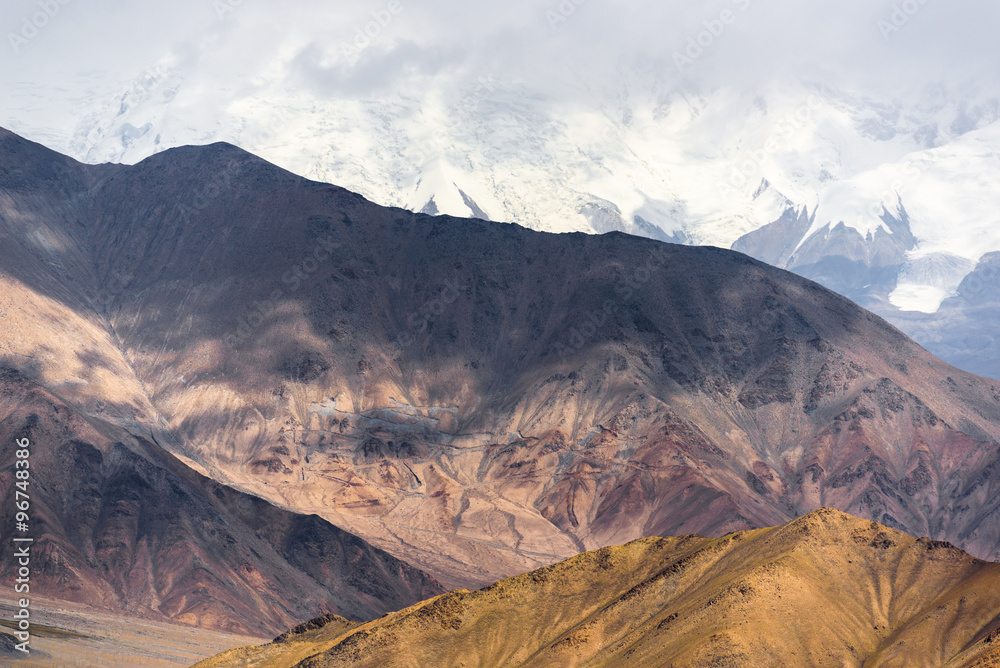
(474, 397)
(825, 590)
(121, 525)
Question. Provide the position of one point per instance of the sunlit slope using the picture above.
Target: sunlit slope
(289, 648)
(475, 398)
(827, 589)
(122, 527)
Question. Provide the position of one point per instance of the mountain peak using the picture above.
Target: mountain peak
(697, 601)
(380, 368)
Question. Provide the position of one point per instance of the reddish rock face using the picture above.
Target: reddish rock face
(474, 397)
(119, 524)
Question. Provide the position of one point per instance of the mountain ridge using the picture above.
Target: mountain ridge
(481, 399)
(824, 589)
(673, 163)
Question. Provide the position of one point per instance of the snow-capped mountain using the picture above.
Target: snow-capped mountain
(713, 164)
(889, 201)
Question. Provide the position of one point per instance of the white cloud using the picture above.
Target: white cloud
(840, 42)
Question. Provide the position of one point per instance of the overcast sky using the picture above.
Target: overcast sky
(873, 45)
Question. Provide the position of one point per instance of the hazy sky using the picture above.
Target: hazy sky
(869, 44)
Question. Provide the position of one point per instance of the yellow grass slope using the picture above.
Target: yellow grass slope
(827, 589)
(289, 648)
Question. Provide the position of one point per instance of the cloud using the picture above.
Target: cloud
(371, 70)
(556, 48)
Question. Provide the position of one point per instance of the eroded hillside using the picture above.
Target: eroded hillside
(476, 398)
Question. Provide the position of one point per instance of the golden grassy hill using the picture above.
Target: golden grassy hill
(827, 589)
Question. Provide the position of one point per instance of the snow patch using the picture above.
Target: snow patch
(922, 298)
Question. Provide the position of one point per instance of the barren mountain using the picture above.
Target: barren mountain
(119, 524)
(896, 188)
(827, 589)
(476, 398)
